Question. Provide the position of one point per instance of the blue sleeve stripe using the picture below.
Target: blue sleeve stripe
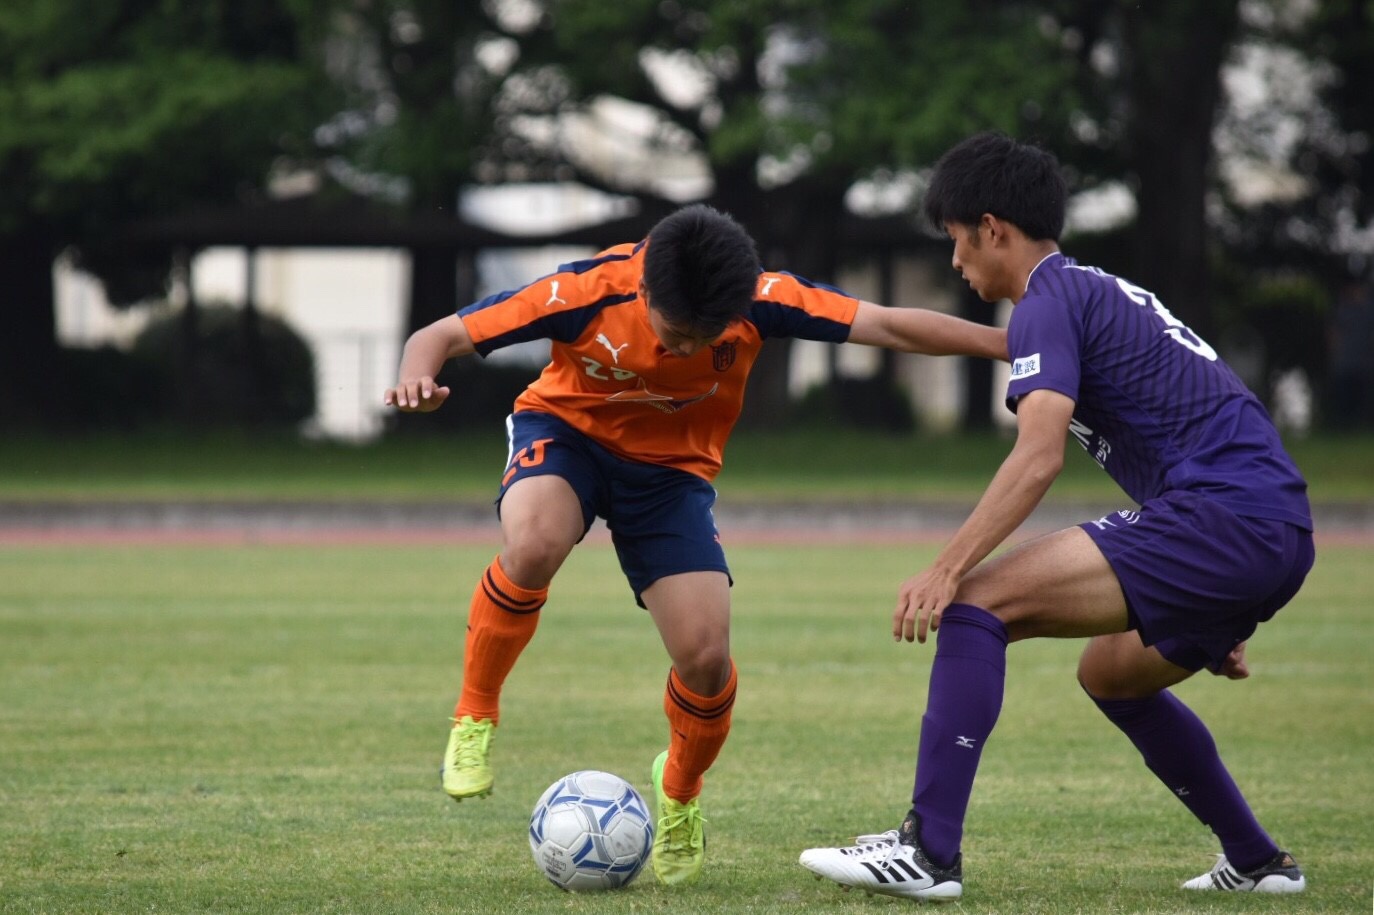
(808, 283)
(592, 263)
(494, 299)
(563, 326)
(774, 319)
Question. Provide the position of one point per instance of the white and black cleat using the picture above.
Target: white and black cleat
(890, 864)
(1279, 874)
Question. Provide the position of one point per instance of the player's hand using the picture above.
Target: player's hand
(921, 601)
(1234, 667)
(416, 396)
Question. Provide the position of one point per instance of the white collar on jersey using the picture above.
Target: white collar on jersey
(1037, 267)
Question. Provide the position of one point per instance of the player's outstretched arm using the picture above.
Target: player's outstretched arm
(1042, 421)
(424, 355)
(920, 330)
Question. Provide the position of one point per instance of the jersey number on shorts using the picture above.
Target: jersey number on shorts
(531, 456)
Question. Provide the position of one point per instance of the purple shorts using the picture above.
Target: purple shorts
(1198, 578)
(659, 517)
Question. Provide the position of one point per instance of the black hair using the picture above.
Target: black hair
(992, 173)
(701, 269)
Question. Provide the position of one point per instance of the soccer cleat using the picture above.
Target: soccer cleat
(680, 839)
(467, 770)
(891, 864)
(1280, 874)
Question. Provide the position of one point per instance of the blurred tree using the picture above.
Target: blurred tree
(785, 105)
(113, 112)
(771, 109)
(418, 78)
(1305, 134)
(241, 374)
(774, 109)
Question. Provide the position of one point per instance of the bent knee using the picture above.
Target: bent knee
(1100, 677)
(1119, 667)
(532, 559)
(1104, 685)
(705, 669)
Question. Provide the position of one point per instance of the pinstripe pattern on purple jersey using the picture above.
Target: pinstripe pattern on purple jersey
(1154, 405)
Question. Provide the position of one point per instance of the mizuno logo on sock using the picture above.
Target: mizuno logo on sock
(964, 742)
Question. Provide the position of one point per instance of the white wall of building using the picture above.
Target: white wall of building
(933, 385)
(350, 304)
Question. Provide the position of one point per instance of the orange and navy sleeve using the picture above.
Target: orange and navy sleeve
(786, 305)
(558, 306)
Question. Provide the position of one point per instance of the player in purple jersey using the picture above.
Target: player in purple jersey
(1220, 540)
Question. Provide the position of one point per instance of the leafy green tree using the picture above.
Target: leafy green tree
(139, 108)
(111, 113)
(794, 102)
(1314, 136)
(418, 78)
(790, 103)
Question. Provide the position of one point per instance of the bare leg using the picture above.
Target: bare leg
(692, 612)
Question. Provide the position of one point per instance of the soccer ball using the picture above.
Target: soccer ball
(591, 831)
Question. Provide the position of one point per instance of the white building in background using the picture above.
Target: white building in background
(349, 304)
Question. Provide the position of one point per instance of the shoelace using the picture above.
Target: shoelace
(470, 742)
(680, 839)
(867, 845)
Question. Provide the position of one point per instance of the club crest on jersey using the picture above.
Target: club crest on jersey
(723, 356)
(1026, 366)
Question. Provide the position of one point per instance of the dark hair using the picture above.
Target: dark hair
(701, 269)
(992, 173)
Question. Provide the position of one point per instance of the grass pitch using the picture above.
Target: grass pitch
(257, 729)
(819, 464)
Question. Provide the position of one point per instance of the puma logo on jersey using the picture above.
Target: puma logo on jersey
(554, 296)
(614, 350)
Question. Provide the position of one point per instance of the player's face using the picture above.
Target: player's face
(680, 341)
(976, 260)
(676, 340)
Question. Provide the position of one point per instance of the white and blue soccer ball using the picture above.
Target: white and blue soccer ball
(591, 831)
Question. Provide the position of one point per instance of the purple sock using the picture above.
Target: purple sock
(966, 683)
(1180, 751)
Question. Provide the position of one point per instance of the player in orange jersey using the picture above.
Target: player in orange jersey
(651, 346)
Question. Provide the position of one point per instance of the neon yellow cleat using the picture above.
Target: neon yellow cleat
(466, 770)
(680, 839)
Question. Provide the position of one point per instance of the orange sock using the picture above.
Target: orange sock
(699, 726)
(501, 622)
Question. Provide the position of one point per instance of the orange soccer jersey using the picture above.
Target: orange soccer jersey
(611, 378)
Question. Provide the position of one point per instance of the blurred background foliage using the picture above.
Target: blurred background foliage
(117, 114)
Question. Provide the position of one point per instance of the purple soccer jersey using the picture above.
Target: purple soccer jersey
(1154, 405)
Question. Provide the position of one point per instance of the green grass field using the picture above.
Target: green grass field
(257, 729)
(828, 465)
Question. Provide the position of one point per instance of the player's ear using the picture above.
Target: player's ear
(998, 230)
(991, 225)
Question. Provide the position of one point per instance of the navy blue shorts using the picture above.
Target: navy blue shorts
(1198, 578)
(659, 517)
